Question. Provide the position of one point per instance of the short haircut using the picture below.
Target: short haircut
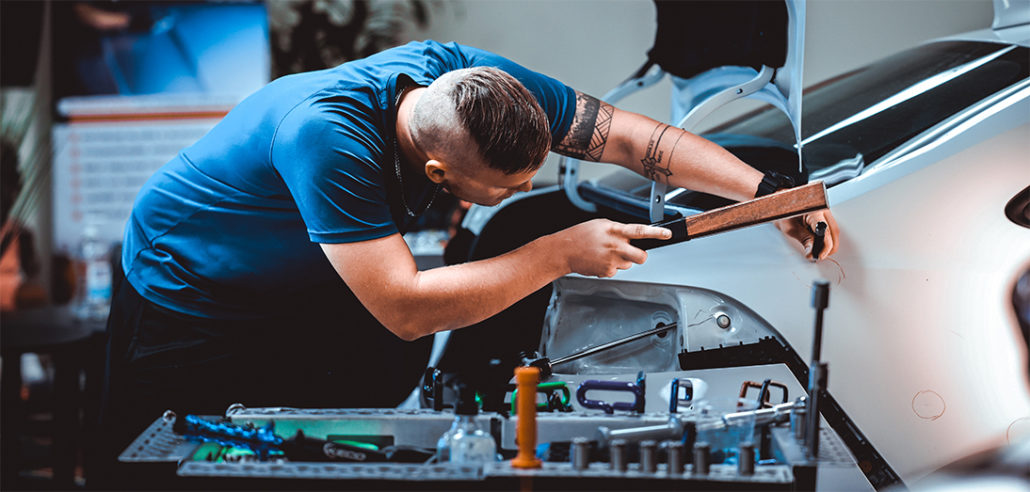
(492, 108)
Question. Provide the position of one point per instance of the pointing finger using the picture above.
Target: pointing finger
(644, 231)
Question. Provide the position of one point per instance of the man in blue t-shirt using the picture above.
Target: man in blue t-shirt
(265, 263)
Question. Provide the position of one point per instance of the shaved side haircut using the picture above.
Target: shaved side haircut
(490, 108)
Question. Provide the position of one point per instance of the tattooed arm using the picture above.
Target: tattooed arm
(602, 133)
(660, 152)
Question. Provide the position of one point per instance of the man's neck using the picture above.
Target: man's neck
(411, 157)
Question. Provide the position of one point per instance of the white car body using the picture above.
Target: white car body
(924, 350)
(920, 297)
(925, 354)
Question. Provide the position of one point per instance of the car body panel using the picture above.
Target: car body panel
(925, 354)
(1008, 13)
(922, 344)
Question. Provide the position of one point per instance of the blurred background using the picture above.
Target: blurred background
(96, 95)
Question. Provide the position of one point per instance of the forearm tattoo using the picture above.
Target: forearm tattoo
(656, 165)
(588, 133)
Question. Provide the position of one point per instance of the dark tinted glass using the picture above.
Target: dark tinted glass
(852, 120)
(908, 92)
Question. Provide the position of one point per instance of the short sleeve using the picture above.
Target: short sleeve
(329, 159)
(557, 99)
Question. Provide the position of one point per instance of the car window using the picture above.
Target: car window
(856, 118)
(859, 117)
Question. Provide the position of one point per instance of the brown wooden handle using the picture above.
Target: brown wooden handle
(779, 205)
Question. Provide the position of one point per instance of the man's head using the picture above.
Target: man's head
(483, 132)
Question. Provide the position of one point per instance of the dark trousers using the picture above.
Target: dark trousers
(331, 353)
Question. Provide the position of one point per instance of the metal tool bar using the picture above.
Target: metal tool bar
(762, 416)
(817, 371)
(779, 205)
(615, 343)
(673, 429)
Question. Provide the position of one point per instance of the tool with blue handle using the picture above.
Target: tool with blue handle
(264, 442)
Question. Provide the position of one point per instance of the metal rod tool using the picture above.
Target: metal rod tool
(661, 328)
(817, 371)
(545, 365)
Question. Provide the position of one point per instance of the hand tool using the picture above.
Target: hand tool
(674, 393)
(778, 413)
(819, 242)
(526, 378)
(763, 391)
(264, 442)
(817, 373)
(779, 205)
(432, 388)
(558, 396)
(673, 429)
(532, 359)
(637, 405)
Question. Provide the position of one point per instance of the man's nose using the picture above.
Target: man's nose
(528, 185)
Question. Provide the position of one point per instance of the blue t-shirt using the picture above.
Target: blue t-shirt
(230, 227)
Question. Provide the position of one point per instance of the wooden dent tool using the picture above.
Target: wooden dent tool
(780, 205)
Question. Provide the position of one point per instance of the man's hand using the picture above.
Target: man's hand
(411, 304)
(804, 229)
(601, 247)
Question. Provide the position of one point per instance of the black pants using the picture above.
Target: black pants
(330, 354)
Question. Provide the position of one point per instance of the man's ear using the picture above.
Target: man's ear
(436, 171)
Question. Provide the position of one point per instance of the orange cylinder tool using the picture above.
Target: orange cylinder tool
(526, 379)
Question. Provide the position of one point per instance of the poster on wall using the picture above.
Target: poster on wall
(135, 83)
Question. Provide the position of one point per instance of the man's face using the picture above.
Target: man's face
(483, 185)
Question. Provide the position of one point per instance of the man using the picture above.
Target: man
(265, 264)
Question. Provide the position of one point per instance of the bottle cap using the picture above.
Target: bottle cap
(466, 400)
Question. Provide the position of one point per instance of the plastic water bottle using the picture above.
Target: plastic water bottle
(95, 281)
(466, 441)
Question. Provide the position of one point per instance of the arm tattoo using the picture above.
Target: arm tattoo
(653, 157)
(588, 133)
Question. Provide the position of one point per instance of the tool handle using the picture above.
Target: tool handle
(779, 205)
(819, 239)
(526, 378)
(637, 405)
(546, 388)
(674, 393)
